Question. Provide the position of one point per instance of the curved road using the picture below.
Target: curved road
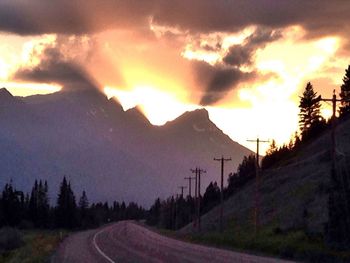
(126, 241)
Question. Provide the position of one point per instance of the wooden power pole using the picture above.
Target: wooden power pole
(222, 160)
(198, 171)
(257, 184)
(334, 101)
(338, 222)
(189, 184)
(189, 196)
(182, 190)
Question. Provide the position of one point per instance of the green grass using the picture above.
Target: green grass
(269, 241)
(38, 247)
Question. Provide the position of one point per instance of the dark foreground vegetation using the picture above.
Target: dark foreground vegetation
(31, 225)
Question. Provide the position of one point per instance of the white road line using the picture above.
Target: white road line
(98, 249)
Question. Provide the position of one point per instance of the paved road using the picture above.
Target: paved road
(129, 242)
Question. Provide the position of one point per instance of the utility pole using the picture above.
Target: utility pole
(189, 184)
(182, 190)
(195, 171)
(198, 172)
(334, 101)
(189, 197)
(257, 184)
(222, 160)
(337, 230)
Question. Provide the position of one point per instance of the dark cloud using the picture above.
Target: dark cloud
(239, 55)
(72, 16)
(54, 68)
(217, 80)
(319, 17)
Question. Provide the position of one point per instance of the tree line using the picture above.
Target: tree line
(33, 210)
(311, 122)
(177, 211)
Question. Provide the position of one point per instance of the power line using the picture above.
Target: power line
(222, 160)
(257, 184)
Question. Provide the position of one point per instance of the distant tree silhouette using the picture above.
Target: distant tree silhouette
(12, 204)
(39, 204)
(345, 94)
(311, 121)
(245, 173)
(28, 211)
(83, 210)
(66, 210)
(154, 213)
(211, 197)
(83, 202)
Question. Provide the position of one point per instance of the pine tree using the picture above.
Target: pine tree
(66, 211)
(345, 94)
(11, 205)
(272, 148)
(33, 203)
(83, 202)
(310, 115)
(211, 197)
(154, 213)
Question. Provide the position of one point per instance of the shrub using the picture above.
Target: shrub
(10, 238)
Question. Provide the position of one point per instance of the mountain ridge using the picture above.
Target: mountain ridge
(93, 141)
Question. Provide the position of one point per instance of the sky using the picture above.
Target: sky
(246, 61)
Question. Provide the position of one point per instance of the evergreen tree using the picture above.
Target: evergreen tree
(211, 197)
(39, 204)
(66, 211)
(345, 94)
(310, 116)
(245, 173)
(272, 148)
(154, 213)
(83, 202)
(11, 205)
(33, 203)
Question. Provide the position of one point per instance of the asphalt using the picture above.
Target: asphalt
(127, 241)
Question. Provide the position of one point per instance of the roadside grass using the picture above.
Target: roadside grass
(38, 246)
(270, 241)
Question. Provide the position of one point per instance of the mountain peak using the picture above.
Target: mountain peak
(4, 93)
(200, 114)
(6, 97)
(197, 115)
(197, 120)
(137, 113)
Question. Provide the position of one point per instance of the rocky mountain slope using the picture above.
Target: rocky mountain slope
(111, 153)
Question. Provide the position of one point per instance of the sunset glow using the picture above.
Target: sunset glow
(169, 67)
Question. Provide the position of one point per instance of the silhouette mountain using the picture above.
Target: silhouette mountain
(111, 153)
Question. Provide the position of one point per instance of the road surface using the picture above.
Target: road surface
(127, 241)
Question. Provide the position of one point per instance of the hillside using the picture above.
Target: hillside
(292, 196)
